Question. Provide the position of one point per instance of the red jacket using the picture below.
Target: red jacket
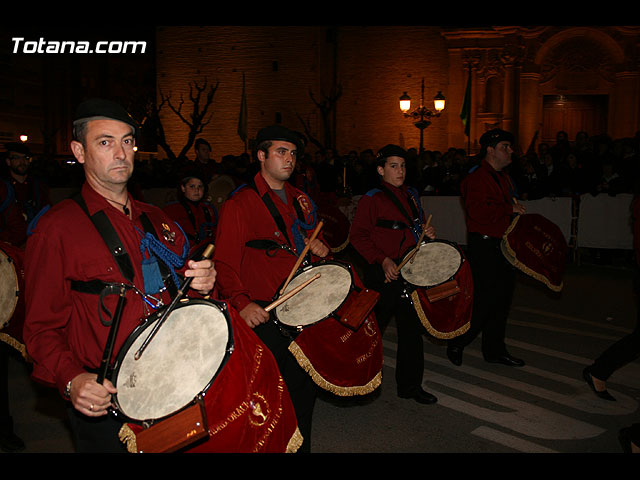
(63, 332)
(246, 274)
(370, 234)
(487, 197)
(199, 225)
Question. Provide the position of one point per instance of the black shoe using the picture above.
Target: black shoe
(420, 396)
(455, 354)
(625, 441)
(586, 374)
(10, 443)
(506, 359)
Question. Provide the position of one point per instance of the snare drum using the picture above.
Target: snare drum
(12, 306)
(436, 262)
(343, 360)
(438, 277)
(320, 299)
(204, 353)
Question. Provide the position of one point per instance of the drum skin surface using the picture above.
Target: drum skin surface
(317, 300)
(434, 263)
(12, 301)
(9, 289)
(179, 363)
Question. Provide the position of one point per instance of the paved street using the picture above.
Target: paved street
(482, 408)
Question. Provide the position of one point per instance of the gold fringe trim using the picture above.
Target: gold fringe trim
(304, 362)
(127, 437)
(510, 255)
(339, 248)
(20, 347)
(295, 442)
(427, 324)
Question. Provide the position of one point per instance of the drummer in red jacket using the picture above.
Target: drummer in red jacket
(489, 203)
(263, 228)
(387, 223)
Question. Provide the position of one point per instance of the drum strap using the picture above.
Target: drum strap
(414, 210)
(392, 224)
(275, 213)
(120, 255)
(271, 246)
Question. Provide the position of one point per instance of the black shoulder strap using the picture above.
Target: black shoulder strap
(113, 242)
(273, 210)
(396, 202)
(108, 233)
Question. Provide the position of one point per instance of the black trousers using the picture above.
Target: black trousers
(302, 389)
(625, 350)
(6, 425)
(394, 302)
(95, 434)
(493, 285)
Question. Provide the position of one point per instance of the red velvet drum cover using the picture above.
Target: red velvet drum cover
(447, 317)
(536, 246)
(340, 360)
(248, 408)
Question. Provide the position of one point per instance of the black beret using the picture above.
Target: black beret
(102, 108)
(18, 148)
(493, 137)
(278, 132)
(391, 151)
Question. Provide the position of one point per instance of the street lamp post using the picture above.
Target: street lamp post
(422, 114)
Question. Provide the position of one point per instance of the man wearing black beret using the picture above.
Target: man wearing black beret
(490, 206)
(264, 226)
(69, 266)
(387, 223)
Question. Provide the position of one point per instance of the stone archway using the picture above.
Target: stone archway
(582, 66)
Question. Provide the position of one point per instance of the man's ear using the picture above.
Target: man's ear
(78, 151)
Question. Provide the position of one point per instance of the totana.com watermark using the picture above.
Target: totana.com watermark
(20, 45)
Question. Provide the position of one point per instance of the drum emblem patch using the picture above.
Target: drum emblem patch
(259, 410)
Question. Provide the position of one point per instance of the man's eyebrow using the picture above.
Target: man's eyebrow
(109, 135)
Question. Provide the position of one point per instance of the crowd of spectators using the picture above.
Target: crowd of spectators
(587, 165)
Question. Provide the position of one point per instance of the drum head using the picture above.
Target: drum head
(436, 262)
(178, 364)
(9, 290)
(317, 300)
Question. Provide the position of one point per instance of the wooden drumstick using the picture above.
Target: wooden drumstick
(208, 252)
(290, 294)
(415, 250)
(301, 257)
(424, 230)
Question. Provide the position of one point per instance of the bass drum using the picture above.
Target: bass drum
(205, 352)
